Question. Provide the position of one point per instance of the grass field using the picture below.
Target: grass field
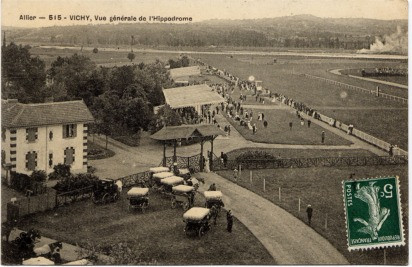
(321, 96)
(278, 131)
(157, 234)
(322, 188)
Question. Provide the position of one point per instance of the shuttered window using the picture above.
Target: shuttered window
(69, 130)
(31, 160)
(31, 134)
(50, 160)
(69, 153)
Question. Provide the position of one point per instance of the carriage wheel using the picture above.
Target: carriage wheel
(106, 198)
(174, 203)
(201, 231)
(185, 206)
(116, 196)
(94, 199)
(144, 207)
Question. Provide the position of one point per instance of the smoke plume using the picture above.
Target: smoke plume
(395, 43)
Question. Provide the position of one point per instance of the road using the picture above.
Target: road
(287, 239)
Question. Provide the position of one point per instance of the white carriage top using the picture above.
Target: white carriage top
(213, 195)
(196, 213)
(184, 171)
(172, 180)
(159, 169)
(38, 261)
(138, 191)
(182, 188)
(162, 175)
(79, 262)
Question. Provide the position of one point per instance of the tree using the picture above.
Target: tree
(95, 50)
(23, 76)
(39, 176)
(131, 56)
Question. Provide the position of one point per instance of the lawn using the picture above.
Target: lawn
(278, 77)
(278, 131)
(96, 151)
(157, 234)
(322, 188)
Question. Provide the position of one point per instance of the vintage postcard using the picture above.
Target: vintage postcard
(204, 132)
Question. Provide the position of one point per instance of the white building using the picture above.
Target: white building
(40, 136)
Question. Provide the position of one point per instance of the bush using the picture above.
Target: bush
(95, 50)
(60, 171)
(76, 182)
(39, 176)
(20, 182)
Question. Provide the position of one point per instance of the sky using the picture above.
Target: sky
(199, 10)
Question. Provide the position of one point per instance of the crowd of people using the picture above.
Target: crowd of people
(385, 72)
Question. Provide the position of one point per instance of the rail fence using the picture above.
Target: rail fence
(357, 88)
(295, 162)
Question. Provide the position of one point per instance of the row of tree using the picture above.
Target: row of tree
(120, 98)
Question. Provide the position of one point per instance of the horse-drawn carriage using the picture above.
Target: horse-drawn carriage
(197, 221)
(214, 198)
(138, 198)
(155, 170)
(157, 177)
(183, 195)
(105, 191)
(168, 183)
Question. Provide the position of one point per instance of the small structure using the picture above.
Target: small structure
(192, 96)
(202, 132)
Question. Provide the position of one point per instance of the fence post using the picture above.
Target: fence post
(326, 222)
(250, 176)
(264, 185)
(299, 205)
(240, 170)
(280, 196)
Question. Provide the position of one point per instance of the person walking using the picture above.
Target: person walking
(323, 137)
(265, 124)
(235, 174)
(228, 130)
(229, 218)
(391, 150)
(309, 122)
(225, 160)
(290, 125)
(309, 211)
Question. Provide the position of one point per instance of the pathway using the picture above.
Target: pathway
(337, 72)
(287, 239)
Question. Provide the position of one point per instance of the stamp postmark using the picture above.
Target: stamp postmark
(373, 213)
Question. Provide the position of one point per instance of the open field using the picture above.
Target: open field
(278, 131)
(102, 58)
(156, 235)
(321, 96)
(322, 188)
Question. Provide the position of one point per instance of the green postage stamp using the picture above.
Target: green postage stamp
(373, 213)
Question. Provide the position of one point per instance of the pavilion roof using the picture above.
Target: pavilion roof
(184, 72)
(190, 96)
(186, 131)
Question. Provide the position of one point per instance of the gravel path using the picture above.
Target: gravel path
(288, 240)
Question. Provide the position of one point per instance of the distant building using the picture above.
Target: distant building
(40, 136)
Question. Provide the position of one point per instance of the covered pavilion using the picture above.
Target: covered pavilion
(202, 132)
(192, 96)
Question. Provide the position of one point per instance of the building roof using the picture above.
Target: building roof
(190, 96)
(16, 115)
(186, 131)
(184, 72)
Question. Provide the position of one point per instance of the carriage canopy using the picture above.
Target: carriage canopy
(210, 195)
(159, 169)
(183, 188)
(196, 213)
(138, 191)
(162, 175)
(172, 180)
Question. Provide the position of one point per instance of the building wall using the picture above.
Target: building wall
(43, 146)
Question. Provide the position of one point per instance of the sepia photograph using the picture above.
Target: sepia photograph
(204, 132)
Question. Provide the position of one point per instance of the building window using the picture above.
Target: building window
(50, 160)
(31, 160)
(69, 155)
(50, 135)
(31, 134)
(69, 130)
(3, 157)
